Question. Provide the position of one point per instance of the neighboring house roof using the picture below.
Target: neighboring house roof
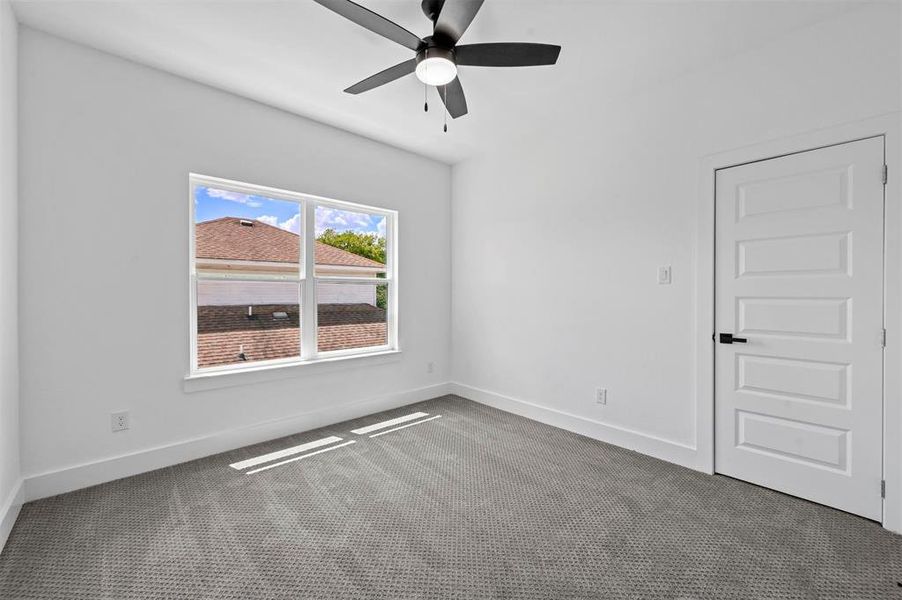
(222, 330)
(227, 239)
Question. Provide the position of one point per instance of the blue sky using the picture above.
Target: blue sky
(213, 203)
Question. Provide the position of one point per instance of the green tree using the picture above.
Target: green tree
(368, 245)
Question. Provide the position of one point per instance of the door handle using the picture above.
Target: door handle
(727, 338)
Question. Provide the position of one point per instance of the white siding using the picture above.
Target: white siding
(346, 293)
(226, 293)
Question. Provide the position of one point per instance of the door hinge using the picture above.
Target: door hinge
(885, 174)
(883, 488)
(883, 339)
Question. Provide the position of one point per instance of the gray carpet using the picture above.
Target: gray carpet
(476, 504)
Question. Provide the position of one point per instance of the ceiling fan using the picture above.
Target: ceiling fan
(438, 55)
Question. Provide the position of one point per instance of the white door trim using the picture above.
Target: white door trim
(889, 126)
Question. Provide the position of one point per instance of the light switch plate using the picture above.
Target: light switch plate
(664, 275)
(601, 395)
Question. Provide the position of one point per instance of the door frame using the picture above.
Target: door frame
(890, 127)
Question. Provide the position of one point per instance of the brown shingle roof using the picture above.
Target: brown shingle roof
(227, 239)
(221, 330)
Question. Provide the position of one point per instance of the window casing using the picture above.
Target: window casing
(339, 289)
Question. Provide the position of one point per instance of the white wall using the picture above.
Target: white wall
(106, 147)
(9, 338)
(556, 243)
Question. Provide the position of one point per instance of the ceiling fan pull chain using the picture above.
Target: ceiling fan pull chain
(425, 98)
(446, 109)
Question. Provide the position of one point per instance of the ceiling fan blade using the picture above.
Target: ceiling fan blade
(454, 18)
(504, 54)
(453, 97)
(372, 21)
(382, 77)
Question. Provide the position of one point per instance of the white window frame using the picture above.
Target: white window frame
(306, 280)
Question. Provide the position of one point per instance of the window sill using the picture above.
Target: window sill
(198, 382)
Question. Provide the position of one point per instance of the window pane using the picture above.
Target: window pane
(246, 321)
(245, 234)
(349, 244)
(351, 315)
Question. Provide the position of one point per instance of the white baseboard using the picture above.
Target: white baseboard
(85, 475)
(9, 510)
(650, 445)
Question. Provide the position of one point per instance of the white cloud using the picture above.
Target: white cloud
(269, 220)
(380, 229)
(293, 224)
(231, 196)
(344, 220)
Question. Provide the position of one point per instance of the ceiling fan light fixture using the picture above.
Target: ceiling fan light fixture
(436, 71)
(436, 66)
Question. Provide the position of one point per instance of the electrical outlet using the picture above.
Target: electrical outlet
(664, 275)
(601, 395)
(430, 367)
(119, 421)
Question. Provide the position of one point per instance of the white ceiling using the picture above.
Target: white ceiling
(299, 56)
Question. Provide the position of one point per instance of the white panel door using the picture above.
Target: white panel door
(799, 277)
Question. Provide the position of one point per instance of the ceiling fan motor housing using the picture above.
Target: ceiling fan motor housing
(432, 50)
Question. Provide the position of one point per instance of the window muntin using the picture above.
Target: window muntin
(251, 293)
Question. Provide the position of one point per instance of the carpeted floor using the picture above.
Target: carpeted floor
(475, 504)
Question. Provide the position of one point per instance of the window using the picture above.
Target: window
(280, 277)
